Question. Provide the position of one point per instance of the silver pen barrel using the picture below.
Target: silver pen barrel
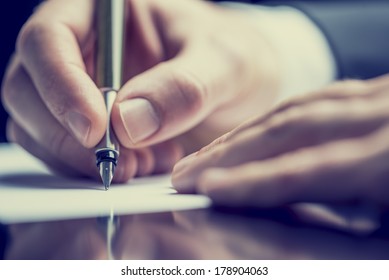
(110, 17)
(110, 31)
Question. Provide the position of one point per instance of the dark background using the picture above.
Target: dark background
(13, 14)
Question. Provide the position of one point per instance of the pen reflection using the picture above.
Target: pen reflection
(70, 239)
(200, 234)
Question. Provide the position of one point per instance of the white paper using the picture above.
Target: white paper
(29, 192)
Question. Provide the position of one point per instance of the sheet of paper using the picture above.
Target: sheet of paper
(29, 192)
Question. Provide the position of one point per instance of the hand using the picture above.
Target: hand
(329, 147)
(188, 65)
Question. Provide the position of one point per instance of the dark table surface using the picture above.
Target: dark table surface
(195, 234)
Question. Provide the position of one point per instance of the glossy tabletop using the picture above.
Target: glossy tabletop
(195, 234)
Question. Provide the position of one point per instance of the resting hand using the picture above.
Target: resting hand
(331, 146)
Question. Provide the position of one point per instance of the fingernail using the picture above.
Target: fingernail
(79, 125)
(139, 118)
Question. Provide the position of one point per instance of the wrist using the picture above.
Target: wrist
(306, 62)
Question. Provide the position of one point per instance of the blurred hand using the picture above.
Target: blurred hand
(328, 147)
(193, 70)
(217, 235)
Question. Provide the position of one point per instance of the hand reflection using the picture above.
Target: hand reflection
(202, 235)
(81, 239)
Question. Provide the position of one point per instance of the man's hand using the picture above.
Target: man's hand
(193, 70)
(331, 146)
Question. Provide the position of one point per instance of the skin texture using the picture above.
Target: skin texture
(326, 147)
(185, 76)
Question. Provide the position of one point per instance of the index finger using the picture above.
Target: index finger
(50, 47)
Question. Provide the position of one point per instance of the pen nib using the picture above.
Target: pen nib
(106, 168)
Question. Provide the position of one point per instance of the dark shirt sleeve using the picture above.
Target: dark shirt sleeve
(357, 32)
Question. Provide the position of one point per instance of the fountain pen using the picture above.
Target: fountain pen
(109, 60)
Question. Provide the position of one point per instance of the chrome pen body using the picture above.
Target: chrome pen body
(110, 19)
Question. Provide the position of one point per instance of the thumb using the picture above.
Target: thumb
(171, 98)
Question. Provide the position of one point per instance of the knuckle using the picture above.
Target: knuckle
(284, 123)
(191, 91)
(27, 35)
(31, 34)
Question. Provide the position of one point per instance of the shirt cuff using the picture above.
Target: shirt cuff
(305, 57)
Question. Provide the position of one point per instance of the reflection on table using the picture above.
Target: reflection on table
(200, 234)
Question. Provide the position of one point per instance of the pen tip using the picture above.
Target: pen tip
(106, 168)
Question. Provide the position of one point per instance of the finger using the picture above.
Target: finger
(27, 109)
(78, 163)
(127, 166)
(166, 154)
(380, 82)
(51, 142)
(146, 161)
(335, 172)
(304, 127)
(84, 164)
(23, 103)
(158, 158)
(173, 97)
(49, 48)
(339, 92)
